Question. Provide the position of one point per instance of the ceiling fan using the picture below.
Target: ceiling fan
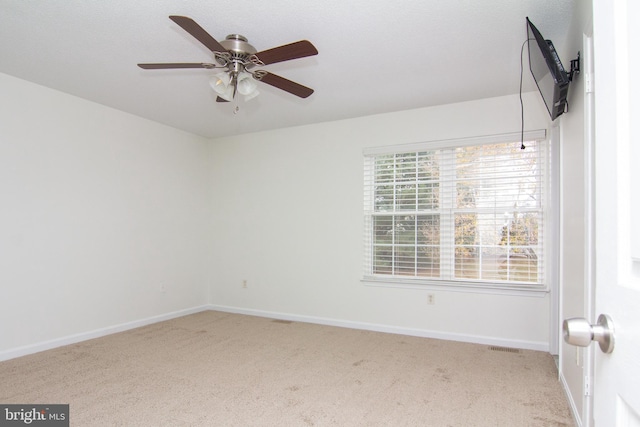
(237, 60)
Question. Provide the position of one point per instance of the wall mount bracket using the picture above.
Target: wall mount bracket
(574, 68)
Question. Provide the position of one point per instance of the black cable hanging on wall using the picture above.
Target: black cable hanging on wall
(522, 147)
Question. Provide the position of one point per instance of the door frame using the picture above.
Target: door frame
(590, 233)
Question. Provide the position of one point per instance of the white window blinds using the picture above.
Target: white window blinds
(462, 212)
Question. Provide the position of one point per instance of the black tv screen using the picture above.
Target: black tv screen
(547, 70)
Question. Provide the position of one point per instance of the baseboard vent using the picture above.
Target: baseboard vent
(286, 322)
(504, 349)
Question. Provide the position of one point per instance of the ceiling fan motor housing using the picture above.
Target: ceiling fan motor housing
(239, 48)
(237, 44)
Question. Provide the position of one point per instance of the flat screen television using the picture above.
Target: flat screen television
(547, 70)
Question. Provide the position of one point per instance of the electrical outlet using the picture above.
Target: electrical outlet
(244, 284)
(431, 299)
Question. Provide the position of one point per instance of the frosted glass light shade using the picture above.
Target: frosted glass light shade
(252, 95)
(220, 84)
(246, 84)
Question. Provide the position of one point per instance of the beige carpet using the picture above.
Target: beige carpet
(220, 369)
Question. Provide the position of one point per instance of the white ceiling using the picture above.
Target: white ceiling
(375, 56)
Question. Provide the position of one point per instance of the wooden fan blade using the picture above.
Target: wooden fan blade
(191, 27)
(286, 85)
(175, 65)
(218, 99)
(286, 52)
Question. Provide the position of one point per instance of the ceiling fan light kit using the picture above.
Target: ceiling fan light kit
(245, 84)
(237, 59)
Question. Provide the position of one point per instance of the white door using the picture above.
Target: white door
(616, 380)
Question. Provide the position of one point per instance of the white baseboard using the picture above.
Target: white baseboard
(424, 333)
(72, 339)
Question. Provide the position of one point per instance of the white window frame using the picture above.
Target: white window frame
(446, 282)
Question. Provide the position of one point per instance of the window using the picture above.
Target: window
(469, 212)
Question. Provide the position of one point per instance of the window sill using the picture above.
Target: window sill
(524, 290)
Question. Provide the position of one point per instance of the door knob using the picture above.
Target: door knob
(578, 331)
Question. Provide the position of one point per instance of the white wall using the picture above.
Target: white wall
(288, 207)
(98, 210)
